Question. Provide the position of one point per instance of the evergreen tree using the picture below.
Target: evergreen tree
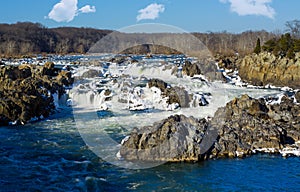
(270, 45)
(297, 45)
(257, 49)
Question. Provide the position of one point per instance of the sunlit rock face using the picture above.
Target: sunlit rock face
(27, 91)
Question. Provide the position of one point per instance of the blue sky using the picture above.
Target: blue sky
(191, 15)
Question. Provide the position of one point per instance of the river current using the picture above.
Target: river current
(52, 155)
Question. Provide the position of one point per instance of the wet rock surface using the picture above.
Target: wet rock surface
(26, 91)
(176, 138)
(243, 127)
(175, 94)
(208, 69)
(91, 73)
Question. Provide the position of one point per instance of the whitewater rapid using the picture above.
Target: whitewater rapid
(119, 95)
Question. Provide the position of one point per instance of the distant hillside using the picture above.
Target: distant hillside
(27, 38)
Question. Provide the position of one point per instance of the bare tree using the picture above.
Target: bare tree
(293, 27)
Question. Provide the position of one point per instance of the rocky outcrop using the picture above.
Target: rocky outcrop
(176, 138)
(91, 73)
(297, 96)
(175, 94)
(26, 91)
(287, 116)
(208, 69)
(243, 127)
(227, 62)
(158, 83)
(266, 68)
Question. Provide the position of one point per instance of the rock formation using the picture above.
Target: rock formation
(241, 128)
(297, 96)
(265, 68)
(176, 138)
(208, 69)
(175, 94)
(26, 91)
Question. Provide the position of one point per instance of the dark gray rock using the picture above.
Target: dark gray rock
(175, 94)
(245, 127)
(158, 83)
(241, 128)
(176, 138)
(208, 69)
(91, 73)
(297, 96)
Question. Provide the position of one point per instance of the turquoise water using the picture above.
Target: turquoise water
(51, 156)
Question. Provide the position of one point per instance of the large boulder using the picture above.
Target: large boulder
(176, 138)
(287, 116)
(190, 69)
(91, 73)
(245, 127)
(48, 69)
(178, 95)
(208, 69)
(227, 62)
(158, 83)
(64, 78)
(175, 94)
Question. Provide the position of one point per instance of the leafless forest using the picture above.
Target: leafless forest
(30, 38)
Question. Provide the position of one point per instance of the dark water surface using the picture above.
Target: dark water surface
(51, 156)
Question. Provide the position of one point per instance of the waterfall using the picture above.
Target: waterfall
(60, 101)
(89, 99)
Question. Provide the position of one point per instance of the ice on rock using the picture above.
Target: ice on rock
(133, 103)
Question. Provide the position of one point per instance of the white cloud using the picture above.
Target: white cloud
(67, 10)
(251, 7)
(87, 9)
(150, 12)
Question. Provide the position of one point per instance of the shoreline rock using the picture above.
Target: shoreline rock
(26, 91)
(265, 68)
(243, 127)
(174, 139)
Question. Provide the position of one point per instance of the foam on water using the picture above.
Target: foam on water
(51, 156)
(105, 118)
(127, 93)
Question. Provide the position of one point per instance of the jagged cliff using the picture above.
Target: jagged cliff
(265, 68)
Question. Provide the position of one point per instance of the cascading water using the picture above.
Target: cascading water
(51, 155)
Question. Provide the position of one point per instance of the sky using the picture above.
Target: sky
(191, 15)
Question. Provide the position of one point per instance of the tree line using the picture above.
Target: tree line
(30, 38)
(285, 46)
